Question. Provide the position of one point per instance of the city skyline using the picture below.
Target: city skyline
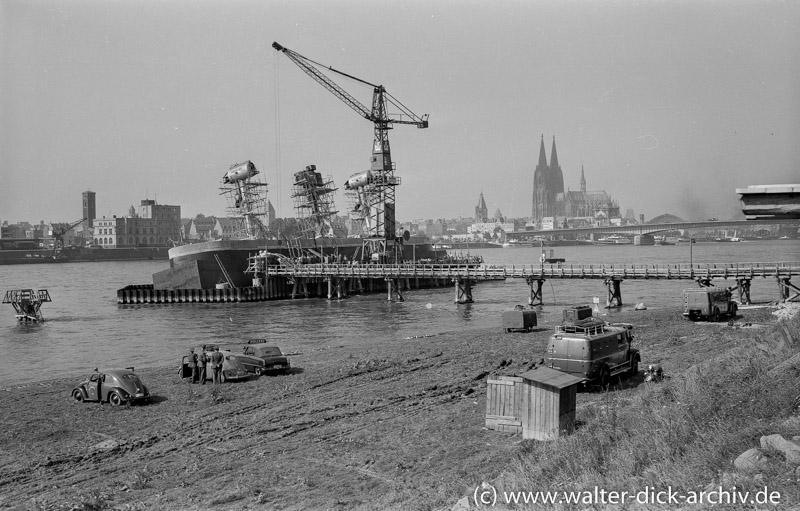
(669, 107)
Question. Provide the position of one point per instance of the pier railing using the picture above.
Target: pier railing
(546, 271)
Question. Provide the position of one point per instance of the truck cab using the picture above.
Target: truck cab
(593, 350)
(710, 304)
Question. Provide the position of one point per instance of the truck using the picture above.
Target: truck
(707, 303)
(593, 350)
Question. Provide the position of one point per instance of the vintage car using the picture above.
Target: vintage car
(271, 355)
(232, 367)
(115, 386)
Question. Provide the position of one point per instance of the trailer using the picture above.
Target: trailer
(519, 320)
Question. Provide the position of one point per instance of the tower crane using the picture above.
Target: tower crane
(374, 188)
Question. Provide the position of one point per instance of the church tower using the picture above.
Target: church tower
(540, 182)
(481, 212)
(556, 184)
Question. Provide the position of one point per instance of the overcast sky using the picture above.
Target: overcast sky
(668, 105)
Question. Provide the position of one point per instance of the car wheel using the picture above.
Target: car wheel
(77, 395)
(734, 308)
(115, 399)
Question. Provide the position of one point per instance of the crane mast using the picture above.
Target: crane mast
(374, 190)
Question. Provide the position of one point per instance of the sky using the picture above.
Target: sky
(668, 106)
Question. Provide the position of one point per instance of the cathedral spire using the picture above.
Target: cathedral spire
(553, 155)
(555, 176)
(583, 180)
(542, 157)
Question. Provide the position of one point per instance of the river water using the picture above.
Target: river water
(86, 328)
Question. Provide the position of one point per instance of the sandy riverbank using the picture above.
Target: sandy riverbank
(396, 425)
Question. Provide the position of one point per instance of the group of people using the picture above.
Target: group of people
(198, 364)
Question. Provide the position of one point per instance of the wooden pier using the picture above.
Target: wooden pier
(334, 281)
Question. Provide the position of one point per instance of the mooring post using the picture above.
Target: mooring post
(785, 288)
(394, 289)
(614, 293)
(535, 297)
(463, 290)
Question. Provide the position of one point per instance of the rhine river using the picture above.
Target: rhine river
(85, 328)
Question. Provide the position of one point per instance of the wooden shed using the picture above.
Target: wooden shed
(504, 403)
(548, 403)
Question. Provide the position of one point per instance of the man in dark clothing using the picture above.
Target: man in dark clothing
(216, 364)
(191, 360)
(202, 360)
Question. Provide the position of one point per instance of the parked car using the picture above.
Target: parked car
(274, 359)
(232, 366)
(115, 386)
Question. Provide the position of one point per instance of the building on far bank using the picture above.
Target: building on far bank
(155, 225)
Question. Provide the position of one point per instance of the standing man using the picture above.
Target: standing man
(202, 360)
(191, 359)
(216, 364)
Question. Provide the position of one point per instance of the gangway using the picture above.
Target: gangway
(27, 302)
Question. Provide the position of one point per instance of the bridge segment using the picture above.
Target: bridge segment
(640, 229)
(535, 275)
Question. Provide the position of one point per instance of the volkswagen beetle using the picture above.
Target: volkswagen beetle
(115, 386)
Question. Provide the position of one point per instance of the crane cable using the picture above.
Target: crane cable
(277, 131)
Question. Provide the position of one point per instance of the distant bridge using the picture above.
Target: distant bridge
(647, 228)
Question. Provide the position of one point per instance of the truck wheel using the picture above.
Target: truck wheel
(605, 377)
(715, 316)
(734, 308)
(77, 395)
(634, 368)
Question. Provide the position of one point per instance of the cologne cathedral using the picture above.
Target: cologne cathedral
(550, 199)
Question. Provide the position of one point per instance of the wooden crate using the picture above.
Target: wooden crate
(504, 404)
(548, 402)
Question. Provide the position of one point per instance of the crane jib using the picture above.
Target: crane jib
(310, 67)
